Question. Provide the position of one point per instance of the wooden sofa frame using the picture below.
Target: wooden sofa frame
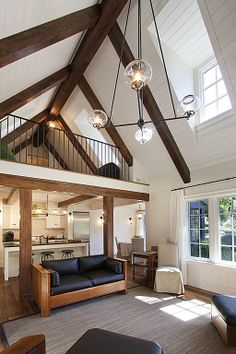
(26, 344)
(227, 332)
(41, 290)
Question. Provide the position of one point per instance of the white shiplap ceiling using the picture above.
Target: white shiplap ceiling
(16, 16)
(182, 30)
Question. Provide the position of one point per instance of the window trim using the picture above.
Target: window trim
(189, 237)
(214, 228)
(198, 83)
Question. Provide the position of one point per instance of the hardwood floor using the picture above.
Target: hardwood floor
(11, 307)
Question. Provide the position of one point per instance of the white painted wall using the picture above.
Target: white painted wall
(123, 230)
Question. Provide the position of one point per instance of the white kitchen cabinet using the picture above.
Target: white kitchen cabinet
(11, 217)
(55, 221)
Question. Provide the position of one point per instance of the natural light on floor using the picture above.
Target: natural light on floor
(188, 310)
(153, 299)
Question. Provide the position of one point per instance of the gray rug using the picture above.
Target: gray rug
(178, 326)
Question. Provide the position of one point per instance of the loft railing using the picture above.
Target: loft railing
(34, 143)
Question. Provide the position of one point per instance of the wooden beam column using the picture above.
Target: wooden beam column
(25, 256)
(108, 227)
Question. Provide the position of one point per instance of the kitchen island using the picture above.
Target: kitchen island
(11, 253)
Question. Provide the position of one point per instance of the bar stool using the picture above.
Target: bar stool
(47, 255)
(67, 253)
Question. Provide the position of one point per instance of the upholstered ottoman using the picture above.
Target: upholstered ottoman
(223, 316)
(99, 341)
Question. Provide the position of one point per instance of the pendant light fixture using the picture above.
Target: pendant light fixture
(137, 75)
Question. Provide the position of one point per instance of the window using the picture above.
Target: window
(227, 228)
(199, 229)
(214, 97)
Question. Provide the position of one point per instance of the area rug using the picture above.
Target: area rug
(179, 326)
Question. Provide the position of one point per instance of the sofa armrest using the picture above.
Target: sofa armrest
(26, 345)
(114, 265)
(124, 270)
(54, 277)
(41, 288)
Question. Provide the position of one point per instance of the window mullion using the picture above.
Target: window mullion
(213, 229)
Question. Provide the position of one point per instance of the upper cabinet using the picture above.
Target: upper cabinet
(56, 221)
(11, 217)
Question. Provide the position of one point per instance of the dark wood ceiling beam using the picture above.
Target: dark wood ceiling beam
(20, 99)
(117, 39)
(10, 195)
(22, 129)
(56, 154)
(75, 200)
(111, 130)
(74, 141)
(48, 185)
(21, 44)
(16, 150)
(93, 39)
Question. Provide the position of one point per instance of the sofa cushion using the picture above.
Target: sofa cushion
(113, 265)
(54, 277)
(92, 263)
(63, 266)
(226, 305)
(103, 276)
(71, 282)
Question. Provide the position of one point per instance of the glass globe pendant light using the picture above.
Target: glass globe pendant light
(143, 135)
(137, 74)
(98, 119)
(190, 104)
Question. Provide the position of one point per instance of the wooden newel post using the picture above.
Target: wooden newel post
(108, 228)
(25, 257)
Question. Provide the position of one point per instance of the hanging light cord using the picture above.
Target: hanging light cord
(163, 60)
(119, 65)
(139, 32)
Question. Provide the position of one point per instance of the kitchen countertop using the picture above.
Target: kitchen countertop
(53, 242)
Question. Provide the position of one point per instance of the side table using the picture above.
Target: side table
(149, 265)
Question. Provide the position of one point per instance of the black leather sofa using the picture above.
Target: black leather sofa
(223, 316)
(64, 281)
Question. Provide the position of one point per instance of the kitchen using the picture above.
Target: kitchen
(58, 225)
(55, 234)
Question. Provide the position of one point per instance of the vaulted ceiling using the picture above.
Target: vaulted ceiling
(70, 64)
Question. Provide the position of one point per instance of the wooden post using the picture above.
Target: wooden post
(25, 257)
(108, 229)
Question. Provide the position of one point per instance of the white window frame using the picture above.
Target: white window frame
(189, 237)
(214, 228)
(199, 88)
(231, 263)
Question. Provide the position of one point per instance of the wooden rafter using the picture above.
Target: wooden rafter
(56, 154)
(111, 130)
(27, 42)
(117, 39)
(10, 195)
(76, 144)
(27, 95)
(22, 145)
(75, 200)
(22, 129)
(94, 37)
